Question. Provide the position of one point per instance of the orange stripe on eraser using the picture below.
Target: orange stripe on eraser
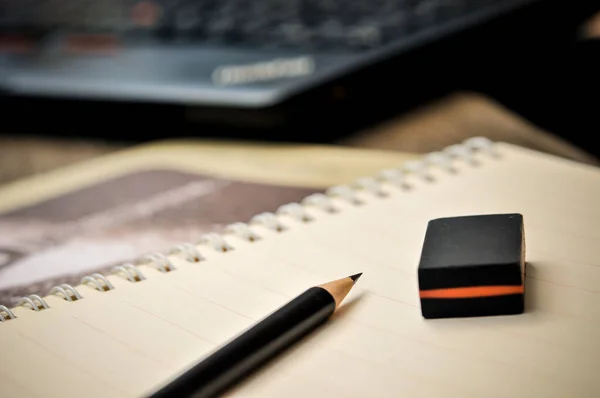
(471, 292)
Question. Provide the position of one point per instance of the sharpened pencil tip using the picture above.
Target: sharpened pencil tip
(355, 277)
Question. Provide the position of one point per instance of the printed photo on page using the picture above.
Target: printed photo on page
(97, 227)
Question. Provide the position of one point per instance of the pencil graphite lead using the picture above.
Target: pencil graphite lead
(355, 277)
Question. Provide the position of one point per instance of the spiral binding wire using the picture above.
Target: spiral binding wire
(34, 302)
(6, 313)
(352, 194)
(68, 292)
(131, 272)
(158, 261)
(99, 281)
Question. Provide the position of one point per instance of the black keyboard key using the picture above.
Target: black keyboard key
(364, 36)
(330, 25)
(293, 34)
(148, 18)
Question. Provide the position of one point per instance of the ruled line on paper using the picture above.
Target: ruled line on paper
(221, 268)
(391, 299)
(552, 230)
(403, 274)
(562, 284)
(255, 283)
(194, 295)
(553, 303)
(361, 256)
(75, 367)
(399, 361)
(364, 269)
(514, 330)
(283, 261)
(194, 334)
(18, 384)
(257, 385)
(558, 333)
(392, 361)
(583, 322)
(558, 256)
(129, 347)
(461, 347)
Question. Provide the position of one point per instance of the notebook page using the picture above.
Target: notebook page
(130, 340)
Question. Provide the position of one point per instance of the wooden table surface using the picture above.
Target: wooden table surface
(449, 120)
(430, 128)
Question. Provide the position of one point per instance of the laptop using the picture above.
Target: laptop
(231, 53)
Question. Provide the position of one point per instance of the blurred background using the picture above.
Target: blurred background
(79, 78)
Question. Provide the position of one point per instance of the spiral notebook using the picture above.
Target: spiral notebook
(130, 332)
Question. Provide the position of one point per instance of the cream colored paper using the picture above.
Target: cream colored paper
(131, 340)
(268, 163)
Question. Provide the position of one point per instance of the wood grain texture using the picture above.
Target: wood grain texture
(431, 128)
(273, 164)
(591, 28)
(460, 116)
(24, 156)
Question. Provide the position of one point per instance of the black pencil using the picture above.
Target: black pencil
(260, 343)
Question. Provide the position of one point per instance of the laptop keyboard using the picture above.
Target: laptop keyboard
(306, 24)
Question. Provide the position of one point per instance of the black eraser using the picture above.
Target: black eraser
(473, 266)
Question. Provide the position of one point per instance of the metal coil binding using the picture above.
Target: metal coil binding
(188, 252)
(5, 312)
(320, 201)
(242, 231)
(371, 185)
(131, 272)
(295, 211)
(34, 302)
(268, 220)
(158, 261)
(344, 193)
(99, 281)
(356, 194)
(216, 241)
(68, 292)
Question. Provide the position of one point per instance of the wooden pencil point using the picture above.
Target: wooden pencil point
(229, 364)
(340, 288)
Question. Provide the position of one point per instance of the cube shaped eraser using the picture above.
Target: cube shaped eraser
(473, 266)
